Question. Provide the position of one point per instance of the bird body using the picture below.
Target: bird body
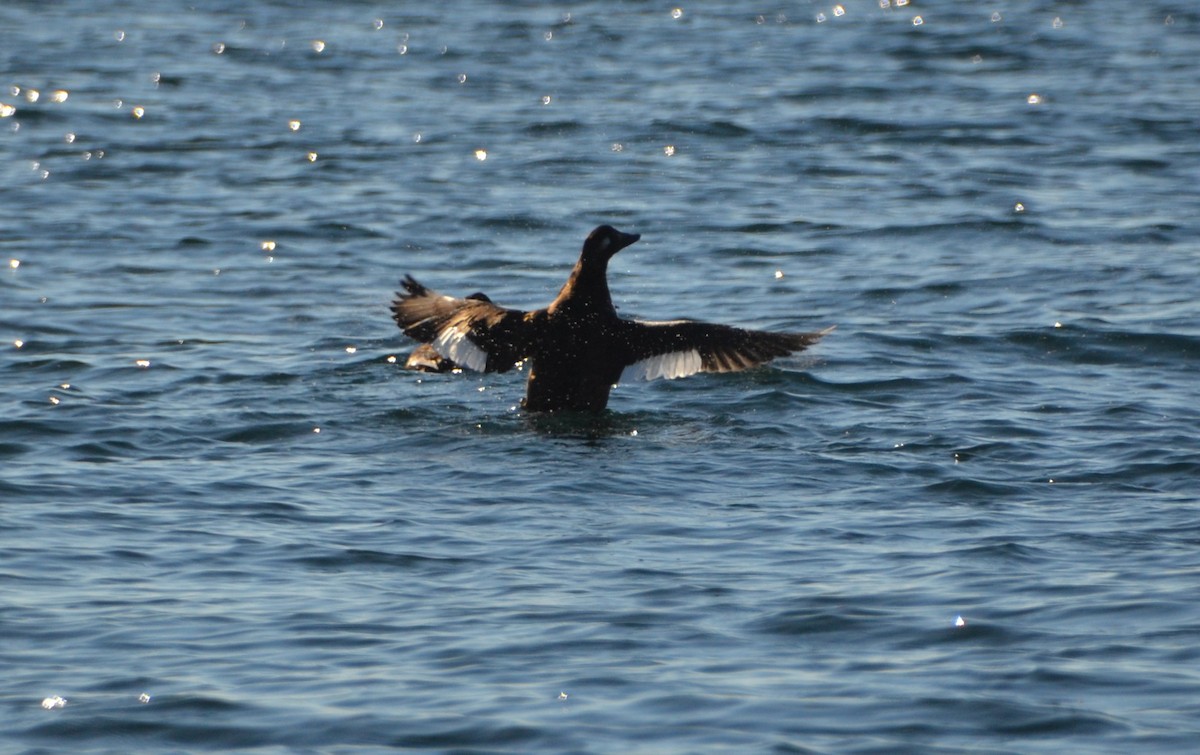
(578, 348)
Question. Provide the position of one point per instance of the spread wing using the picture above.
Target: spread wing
(471, 332)
(679, 348)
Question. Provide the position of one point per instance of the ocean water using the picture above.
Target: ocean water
(968, 520)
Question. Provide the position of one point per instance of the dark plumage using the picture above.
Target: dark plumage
(425, 358)
(578, 347)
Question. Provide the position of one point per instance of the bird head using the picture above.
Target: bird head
(602, 243)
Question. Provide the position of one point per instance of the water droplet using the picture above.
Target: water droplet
(778, 274)
(351, 349)
(318, 46)
(59, 95)
(144, 698)
(402, 48)
(1057, 324)
(54, 702)
(138, 112)
(311, 157)
(820, 18)
(480, 155)
(564, 695)
(316, 430)
(55, 401)
(294, 125)
(1035, 99)
(7, 110)
(1057, 23)
(218, 48)
(548, 36)
(996, 17)
(677, 13)
(119, 35)
(462, 78)
(545, 99)
(959, 621)
(885, 4)
(18, 343)
(977, 59)
(839, 11)
(618, 147)
(391, 359)
(901, 3)
(143, 363)
(267, 246)
(1019, 207)
(669, 150)
(417, 137)
(377, 24)
(14, 263)
(69, 138)
(917, 20)
(32, 95)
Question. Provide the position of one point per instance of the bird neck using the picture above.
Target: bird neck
(587, 289)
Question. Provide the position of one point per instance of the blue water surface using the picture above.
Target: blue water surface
(968, 520)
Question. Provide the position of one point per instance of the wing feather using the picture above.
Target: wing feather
(679, 348)
(471, 332)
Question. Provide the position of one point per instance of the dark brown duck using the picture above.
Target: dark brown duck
(578, 348)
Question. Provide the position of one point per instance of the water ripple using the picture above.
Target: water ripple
(966, 521)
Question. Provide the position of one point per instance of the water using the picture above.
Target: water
(966, 520)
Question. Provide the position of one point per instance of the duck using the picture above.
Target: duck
(578, 348)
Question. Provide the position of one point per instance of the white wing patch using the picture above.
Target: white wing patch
(454, 345)
(673, 364)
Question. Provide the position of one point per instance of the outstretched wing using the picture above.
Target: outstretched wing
(679, 348)
(471, 332)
